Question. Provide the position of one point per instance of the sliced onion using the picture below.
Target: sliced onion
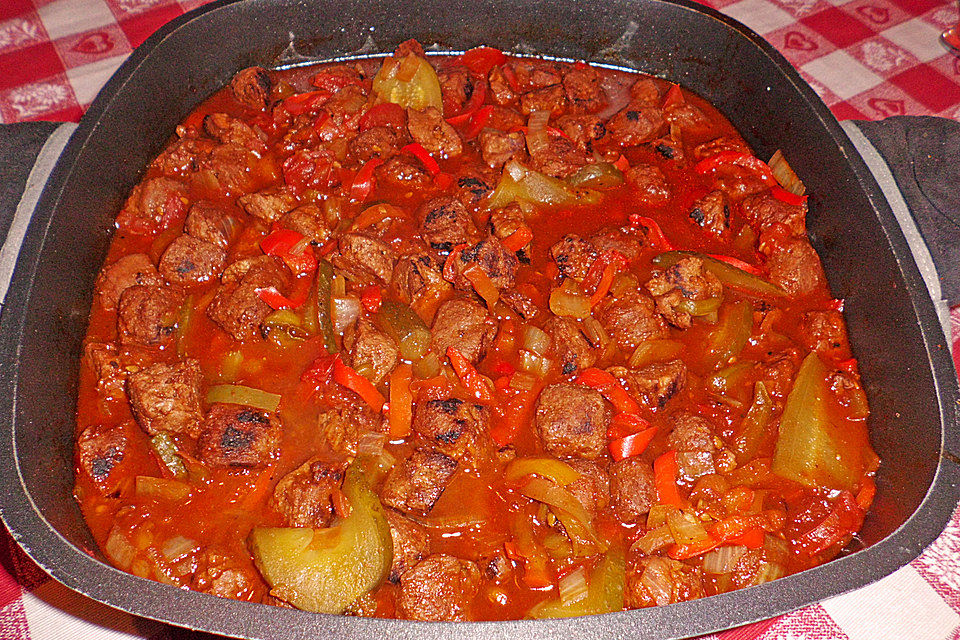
(522, 381)
(150, 487)
(768, 571)
(655, 539)
(536, 339)
(371, 443)
(573, 586)
(723, 559)
(537, 132)
(119, 549)
(178, 547)
(686, 529)
(344, 312)
(658, 581)
(594, 332)
(785, 175)
(534, 364)
(570, 305)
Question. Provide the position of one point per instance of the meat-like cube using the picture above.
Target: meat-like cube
(505, 222)
(268, 205)
(778, 372)
(237, 307)
(560, 157)
(435, 134)
(495, 260)
(416, 483)
(632, 489)
(153, 205)
(738, 182)
(583, 130)
(504, 119)
(644, 92)
(439, 588)
(630, 319)
(401, 173)
(720, 145)
(572, 420)
(582, 86)
(148, 315)
(654, 384)
(304, 497)
(712, 213)
(345, 103)
(100, 451)
(684, 282)
(130, 270)
(795, 267)
(592, 488)
(535, 74)
(208, 222)
(570, 347)
(307, 220)
(376, 142)
(473, 188)
(686, 116)
(188, 261)
(373, 352)
(411, 543)
(229, 130)
(574, 256)
(525, 307)
(416, 272)
(458, 85)
(464, 325)
(763, 210)
(625, 243)
(636, 125)
(669, 148)
(451, 426)
(825, 332)
(651, 184)
(445, 223)
(184, 156)
(500, 89)
(681, 582)
(227, 574)
(165, 398)
(497, 147)
(367, 259)
(251, 87)
(235, 435)
(341, 428)
(551, 98)
(692, 438)
(108, 365)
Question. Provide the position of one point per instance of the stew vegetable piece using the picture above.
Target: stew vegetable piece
(467, 337)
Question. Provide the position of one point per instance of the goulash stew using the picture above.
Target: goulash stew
(466, 337)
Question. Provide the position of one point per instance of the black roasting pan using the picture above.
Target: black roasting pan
(904, 358)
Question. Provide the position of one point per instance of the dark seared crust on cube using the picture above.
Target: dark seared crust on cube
(712, 212)
(686, 280)
(445, 223)
(632, 488)
(100, 450)
(451, 426)
(550, 98)
(635, 125)
(131, 270)
(495, 260)
(630, 319)
(583, 88)
(416, 483)
(189, 261)
(165, 398)
(411, 543)
(105, 360)
(572, 420)
(148, 315)
(237, 307)
(304, 497)
(367, 259)
(655, 384)
(416, 272)
(235, 435)
(439, 588)
(377, 142)
(570, 347)
(574, 256)
(251, 87)
(465, 326)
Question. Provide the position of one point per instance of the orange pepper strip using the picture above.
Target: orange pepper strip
(610, 388)
(665, 473)
(605, 281)
(349, 378)
(745, 530)
(866, 493)
(401, 401)
(470, 378)
(518, 239)
(632, 445)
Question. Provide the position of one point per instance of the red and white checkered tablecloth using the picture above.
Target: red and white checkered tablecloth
(867, 59)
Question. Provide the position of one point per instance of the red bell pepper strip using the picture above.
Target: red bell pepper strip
(387, 114)
(610, 388)
(449, 267)
(745, 160)
(673, 98)
(665, 472)
(307, 101)
(659, 238)
(291, 247)
(401, 401)
(625, 424)
(606, 279)
(478, 121)
(752, 539)
(632, 445)
(518, 239)
(423, 156)
(622, 163)
(371, 298)
(739, 264)
(745, 530)
(320, 373)
(482, 59)
(788, 197)
(277, 300)
(470, 378)
(364, 180)
(349, 378)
